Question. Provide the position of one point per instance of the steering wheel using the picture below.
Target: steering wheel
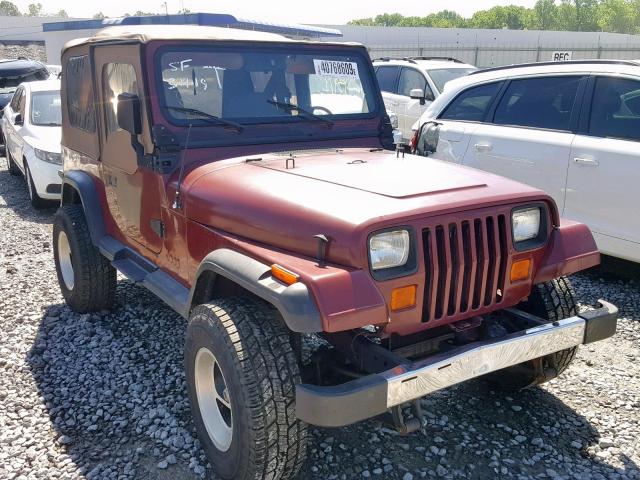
(324, 109)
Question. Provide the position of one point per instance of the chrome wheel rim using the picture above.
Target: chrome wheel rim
(214, 401)
(64, 260)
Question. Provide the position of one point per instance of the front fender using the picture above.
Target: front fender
(570, 250)
(294, 302)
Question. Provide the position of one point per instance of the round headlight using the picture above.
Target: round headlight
(389, 249)
(526, 224)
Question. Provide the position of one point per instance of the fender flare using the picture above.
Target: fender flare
(84, 185)
(294, 302)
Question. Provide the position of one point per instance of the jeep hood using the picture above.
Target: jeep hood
(285, 200)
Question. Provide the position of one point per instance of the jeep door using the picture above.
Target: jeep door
(528, 135)
(132, 189)
(603, 180)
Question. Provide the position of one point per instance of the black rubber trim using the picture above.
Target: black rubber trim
(600, 323)
(83, 183)
(341, 405)
(54, 188)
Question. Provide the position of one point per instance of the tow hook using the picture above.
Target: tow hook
(395, 418)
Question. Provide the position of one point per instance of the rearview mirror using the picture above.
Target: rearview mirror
(429, 97)
(128, 113)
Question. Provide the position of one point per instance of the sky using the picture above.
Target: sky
(330, 12)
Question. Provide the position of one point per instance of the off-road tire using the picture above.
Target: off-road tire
(553, 300)
(36, 200)
(94, 285)
(13, 168)
(252, 347)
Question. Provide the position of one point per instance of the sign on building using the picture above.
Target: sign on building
(561, 56)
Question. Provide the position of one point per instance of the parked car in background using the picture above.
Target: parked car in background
(32, 125)
(15, 72)
(571, 129)
(409, 85)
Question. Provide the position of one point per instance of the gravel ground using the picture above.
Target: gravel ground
(103, 396)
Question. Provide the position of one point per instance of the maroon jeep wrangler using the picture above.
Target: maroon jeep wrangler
(244, 178)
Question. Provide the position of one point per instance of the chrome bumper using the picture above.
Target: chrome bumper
(374, 394)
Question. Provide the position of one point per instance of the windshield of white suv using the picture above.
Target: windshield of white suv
(259, 85)
(441, 76)
(45, 109)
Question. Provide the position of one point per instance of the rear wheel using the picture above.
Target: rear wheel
(86, 278)
(553, 300)
(37, 201)
(241, 374)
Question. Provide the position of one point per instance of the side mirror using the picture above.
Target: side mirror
(417, 94)
(18, 120)
(128, 116)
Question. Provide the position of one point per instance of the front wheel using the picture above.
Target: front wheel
(241, 374)
(37, 201)
(553, 300)
(87, 279)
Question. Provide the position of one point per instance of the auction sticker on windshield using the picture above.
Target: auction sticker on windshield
(335, 68)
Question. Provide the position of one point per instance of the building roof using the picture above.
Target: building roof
(203, 19)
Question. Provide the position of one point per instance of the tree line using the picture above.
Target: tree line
(618, 16)
(9, 9)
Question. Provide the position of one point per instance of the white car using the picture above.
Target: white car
(32, 128)
(571, 129)
(409, 85)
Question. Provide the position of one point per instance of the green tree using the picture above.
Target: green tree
(8, 9)
(62, 13)
(617, 16)
(98, 16)
(34, 10)
(546, 14)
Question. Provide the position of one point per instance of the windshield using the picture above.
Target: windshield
(441, 76)
(45, 109)
(10, 80)
(256, 85)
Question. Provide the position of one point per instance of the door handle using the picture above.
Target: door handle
(483, 147)
(587, 162)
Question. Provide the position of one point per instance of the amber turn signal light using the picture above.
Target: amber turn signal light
(520, 270)
(284, 275)
(403, 297)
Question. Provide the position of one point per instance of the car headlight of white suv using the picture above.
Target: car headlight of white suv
(49, 157)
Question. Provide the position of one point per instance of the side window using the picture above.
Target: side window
(472, 104)
(410, 79)
(615, 109)
(117, 78)
(387, 78)
(79, 87)
(538, 102)
(15, 100)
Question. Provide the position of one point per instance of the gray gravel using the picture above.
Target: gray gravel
(102, 396)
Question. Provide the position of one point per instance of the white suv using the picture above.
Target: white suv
(571, 129)
(409, 85)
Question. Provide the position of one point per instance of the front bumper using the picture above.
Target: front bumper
(366, 397)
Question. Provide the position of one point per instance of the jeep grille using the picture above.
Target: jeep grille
(465, 266)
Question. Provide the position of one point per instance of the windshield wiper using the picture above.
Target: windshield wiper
(212, 119)
(289, 107)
